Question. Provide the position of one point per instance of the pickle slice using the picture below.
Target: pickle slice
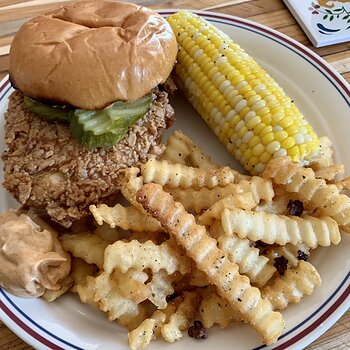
(101, 128)
(104, 128)
(49, 112)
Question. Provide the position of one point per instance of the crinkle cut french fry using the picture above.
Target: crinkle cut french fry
(86, 246)
(132, 322)
(177, 149)
(216, 230)
(87, 290)
(131, 184)
(216, 310)
(52, 295)
(178, 175)
(131, 285)
(291, 287)
(201, 160)
(110, 301)
(250, 263)
(261, 189)
(102, 292)
(140, 338)
(198, 278)
(211, 260)
(180, 320)
(80, 270)
(198, 200)
(330, 172)
(140, 256)
(143, 237)
(277, 206)
(204, 198)
(343, 184)
(127, 218)
(240, 200)
(317, 192)
(289, 251)
(281, 229)
(161, 286)
(109, 234)
(323, 156)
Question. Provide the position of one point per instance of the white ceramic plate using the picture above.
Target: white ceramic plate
(324, 97)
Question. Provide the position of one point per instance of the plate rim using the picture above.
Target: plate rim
(338, 307)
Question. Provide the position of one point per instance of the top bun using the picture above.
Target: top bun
(92, 53)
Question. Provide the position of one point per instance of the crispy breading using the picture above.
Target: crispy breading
(47, 169)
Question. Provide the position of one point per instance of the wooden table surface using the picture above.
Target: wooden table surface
(272, 13)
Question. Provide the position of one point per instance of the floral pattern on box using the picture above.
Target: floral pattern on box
(325, 22)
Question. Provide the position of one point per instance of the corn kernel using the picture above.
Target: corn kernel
(235, 120)
(265, 157)
(254, 141)
(243, 147)
(286, 122)
(294, 152)
(247, 136)
(244, 112)
(253, 122)
(266, 119)
(258, 149)
(258, 129)
(259, 168)
(262, 111)
(280, 136)
(288, 143)
(266, 130)
(268, 138)
(280, 153)
(292, 130)
(273, 147)
(242, 131)
(248, 166)
(247, 154)
(254, 160)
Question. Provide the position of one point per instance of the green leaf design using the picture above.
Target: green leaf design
(331, 18)
(346, 17)
(325, 16)
(338, 10)
(329, 11)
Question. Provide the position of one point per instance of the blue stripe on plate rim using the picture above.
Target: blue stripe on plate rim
(340, 297)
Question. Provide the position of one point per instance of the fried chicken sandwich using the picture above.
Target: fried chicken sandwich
(88, 103)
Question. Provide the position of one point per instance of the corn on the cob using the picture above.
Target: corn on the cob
(240, 102)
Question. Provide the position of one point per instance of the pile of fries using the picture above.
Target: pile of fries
(204, 243)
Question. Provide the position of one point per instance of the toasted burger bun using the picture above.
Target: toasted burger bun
(92, 53)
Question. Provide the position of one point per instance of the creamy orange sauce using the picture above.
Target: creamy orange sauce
(32, 259)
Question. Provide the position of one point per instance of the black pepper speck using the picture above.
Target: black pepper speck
(281, 264)
(302, 255)
(295, 208)
(197, 331)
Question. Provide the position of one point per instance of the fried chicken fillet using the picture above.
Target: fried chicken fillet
(47, 169)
